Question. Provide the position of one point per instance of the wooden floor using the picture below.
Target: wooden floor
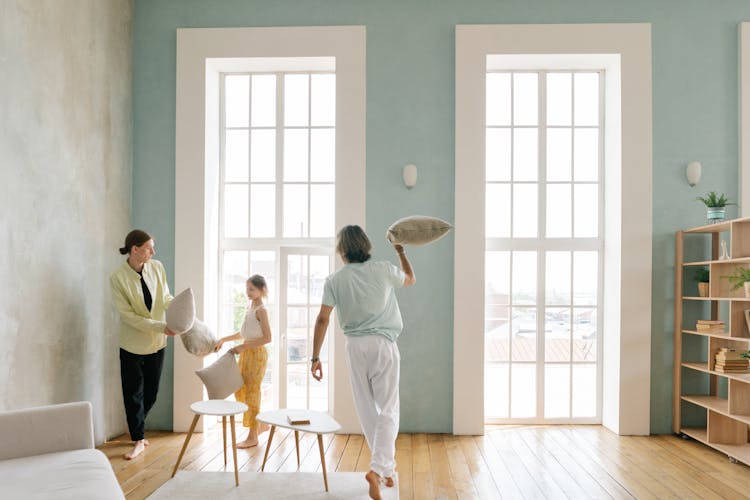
(507, 462)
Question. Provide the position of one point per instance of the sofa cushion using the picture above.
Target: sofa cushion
(78, 474)
(181, 312)
(222, 377)
(199, 340)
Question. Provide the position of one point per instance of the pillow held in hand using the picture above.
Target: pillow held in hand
(221, 378)
(199, 340)
(181, 312)
(417, 230)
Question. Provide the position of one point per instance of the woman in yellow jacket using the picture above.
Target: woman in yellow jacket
(141, 295)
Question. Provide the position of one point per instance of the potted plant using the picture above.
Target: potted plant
(702, 277)
(740, 278)
(716, 206)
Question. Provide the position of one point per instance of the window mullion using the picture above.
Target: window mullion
(541, 236)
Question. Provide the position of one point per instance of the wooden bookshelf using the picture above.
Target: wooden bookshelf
(718, 403)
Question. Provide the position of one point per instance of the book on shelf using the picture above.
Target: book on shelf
(710, 322)
(722, 369)
(298, 418)
(710, 326)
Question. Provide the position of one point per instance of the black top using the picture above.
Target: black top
(146, 293)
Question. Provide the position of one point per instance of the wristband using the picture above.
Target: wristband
(314, 360)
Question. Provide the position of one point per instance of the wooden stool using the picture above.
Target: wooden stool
(217, 407)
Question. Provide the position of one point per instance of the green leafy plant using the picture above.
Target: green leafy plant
(714, 200)
(740, 276)
(701, 275)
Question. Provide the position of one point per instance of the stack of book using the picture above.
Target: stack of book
(709, 326)
(730, 361)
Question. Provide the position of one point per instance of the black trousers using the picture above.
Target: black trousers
(140, 374)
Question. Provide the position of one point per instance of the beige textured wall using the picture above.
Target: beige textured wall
(65, 190)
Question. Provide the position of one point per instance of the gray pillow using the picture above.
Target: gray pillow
(221, 378)
(199, 340)
(181, 312)
(417, 230)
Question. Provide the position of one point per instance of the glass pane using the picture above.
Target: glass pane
(324, 349)
(497, 313)
(557, 334)
(523, 328)
(557, 278)
(263, 262)
(236, 99)
(323, 100)
(497, 154)
(319, 393)
(295, 155)
(559, 211)
(584, 390)
(523, 390)
(296, 387)
(235, 156)
(585, 211)
(297, 280)
(524, 278)
(264, 101)
(586, 99)
(296, 96)
(320, 268)
(497, 277)
(586, 154)
(263, 155)
(497, 334)
(556, 391)
(262, 211)
(584, 334)
(497, 211)
(296, 334)
(559, 154)
(267, 399)
(295, 210)
(232, 319)
(525, 154)
(559, 95)
(235, 210)
(498, 99)
(235, 272)
(323, 155)
(496, 390)
(322, 210)
(525, 210)
(585, 278)
(525, 98)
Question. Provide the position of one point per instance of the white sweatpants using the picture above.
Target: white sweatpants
(374, 367)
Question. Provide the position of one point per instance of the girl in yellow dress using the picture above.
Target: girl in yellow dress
(255, 334)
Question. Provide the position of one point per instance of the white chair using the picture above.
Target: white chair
(216, 407)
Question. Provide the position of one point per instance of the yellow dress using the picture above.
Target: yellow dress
(253, 367)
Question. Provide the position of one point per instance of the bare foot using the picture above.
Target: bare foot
(145, 441)
(373, 478)
(247, 443)
(389, 482)
(137, 450)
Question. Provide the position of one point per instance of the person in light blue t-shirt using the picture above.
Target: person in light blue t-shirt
(363, 293)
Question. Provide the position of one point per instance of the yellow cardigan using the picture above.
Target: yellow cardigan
(141, 331)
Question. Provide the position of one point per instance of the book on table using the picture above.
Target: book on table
(298, 418)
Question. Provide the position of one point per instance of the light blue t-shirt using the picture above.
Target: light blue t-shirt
(364, 297)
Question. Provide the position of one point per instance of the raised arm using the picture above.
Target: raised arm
(411, 278)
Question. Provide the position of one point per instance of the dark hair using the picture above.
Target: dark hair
(135, 237)
(259, 282)
(353, 244)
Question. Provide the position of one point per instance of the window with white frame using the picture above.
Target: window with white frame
(277, 215)
(543, 244)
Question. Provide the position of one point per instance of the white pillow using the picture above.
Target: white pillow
(199, 340)
(221, 378)
(417, 230)
(181, 312)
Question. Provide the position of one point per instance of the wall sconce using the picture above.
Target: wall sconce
(410, 175)
(693, 172)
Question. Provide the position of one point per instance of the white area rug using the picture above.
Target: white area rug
(189, 485)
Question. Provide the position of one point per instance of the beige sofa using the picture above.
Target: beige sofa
(48, 453)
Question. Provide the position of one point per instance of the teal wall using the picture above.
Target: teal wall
(410, 119)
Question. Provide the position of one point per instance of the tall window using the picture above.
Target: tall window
(543, 227)
(277, 215)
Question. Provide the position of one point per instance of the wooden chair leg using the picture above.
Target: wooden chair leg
(296, 444)
(234, 452)
(268, 446)
(224, 436)
(184, 446)
(323, 460)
